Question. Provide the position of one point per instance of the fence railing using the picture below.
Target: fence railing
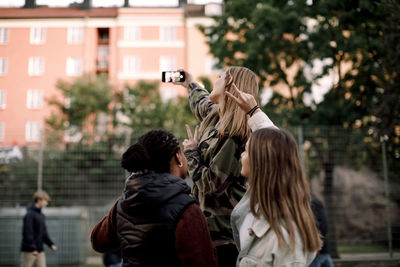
(345, 167)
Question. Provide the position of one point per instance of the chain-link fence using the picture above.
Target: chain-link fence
(345, 168)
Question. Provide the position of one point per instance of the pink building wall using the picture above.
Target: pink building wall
(188, 48)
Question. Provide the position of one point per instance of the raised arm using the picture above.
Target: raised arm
(258, 119)
(199, 100)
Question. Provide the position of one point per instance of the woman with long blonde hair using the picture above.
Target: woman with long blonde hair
(273, 223)
(213, 153)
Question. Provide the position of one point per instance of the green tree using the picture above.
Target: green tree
(281, 40)
(80, 106)
(143, 109)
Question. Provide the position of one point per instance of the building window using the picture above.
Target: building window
(38, 35)
(3, 35)
(103, 35)
(210, 65)
(103, 51)
(34, 99)
(167, 33)
(167, 63)
(213, 9)
(3, 66)
(131, 64)
(36, 66)
(75, 35)
(168, 94)
(131, 33)
(2, 99)
(1, 131)
(74, 66)
(32, 131)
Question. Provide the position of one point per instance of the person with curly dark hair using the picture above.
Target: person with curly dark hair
(156, 222)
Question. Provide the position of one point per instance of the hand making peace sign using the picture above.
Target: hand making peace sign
(193, 140)
(245, 101)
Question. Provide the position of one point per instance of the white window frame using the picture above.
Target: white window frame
(210, 65)
(34, 99)
(32, 131)
(132, 33)
(2, 131)
(3, 99)
(167, 33)
(38, 35)
(74, 66)
(36, 66)
(75, 35)
(3, 35)
(131, 64)
(3, 66)
(167, 63)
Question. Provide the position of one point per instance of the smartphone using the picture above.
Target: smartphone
(172, 76)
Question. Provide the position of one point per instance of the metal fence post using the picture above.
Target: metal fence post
(40, 163)
(385, 176)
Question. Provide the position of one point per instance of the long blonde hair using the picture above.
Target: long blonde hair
(229, 112)
(279, 187)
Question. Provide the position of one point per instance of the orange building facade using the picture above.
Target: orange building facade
(41, 45)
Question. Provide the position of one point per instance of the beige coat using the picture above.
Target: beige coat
(263, 248)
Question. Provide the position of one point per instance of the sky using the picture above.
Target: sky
(103, 3)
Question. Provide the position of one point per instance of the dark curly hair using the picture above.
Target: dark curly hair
(153, 151)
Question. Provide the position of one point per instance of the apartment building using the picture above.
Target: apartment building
(41, 45)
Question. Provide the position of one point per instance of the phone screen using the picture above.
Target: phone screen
(173, 76)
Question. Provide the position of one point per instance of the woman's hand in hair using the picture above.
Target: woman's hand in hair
(245, 101)
(188, 79)
(192, 140)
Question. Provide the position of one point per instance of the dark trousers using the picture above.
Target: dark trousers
(227, 255)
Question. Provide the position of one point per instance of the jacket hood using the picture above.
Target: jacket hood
(151, 190)
(31, 207)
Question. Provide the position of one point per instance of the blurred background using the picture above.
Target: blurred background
(80, 82)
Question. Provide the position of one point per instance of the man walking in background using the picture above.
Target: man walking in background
(34, 233)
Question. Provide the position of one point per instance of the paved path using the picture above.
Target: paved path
(369, 256)
(93, 260)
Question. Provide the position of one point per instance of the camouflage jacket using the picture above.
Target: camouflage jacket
(215, 169)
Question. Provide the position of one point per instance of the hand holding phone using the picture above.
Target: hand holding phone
(172, 76)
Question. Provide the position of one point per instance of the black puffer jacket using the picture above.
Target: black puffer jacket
(147, 216)
(34, 231)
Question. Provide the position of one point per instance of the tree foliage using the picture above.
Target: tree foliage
(143, 109)
(81, 103)
(278, 40)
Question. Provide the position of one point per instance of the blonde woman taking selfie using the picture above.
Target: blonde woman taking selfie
(213, 153)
